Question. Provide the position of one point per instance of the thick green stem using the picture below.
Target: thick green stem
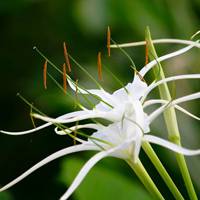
(144, 177)
(161, 170)
(170, 120)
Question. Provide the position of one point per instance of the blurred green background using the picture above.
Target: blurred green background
(82, 24)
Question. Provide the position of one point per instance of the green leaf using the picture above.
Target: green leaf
(101, 183)
(6, 196)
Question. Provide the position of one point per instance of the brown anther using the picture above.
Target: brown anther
(66, 57)
(64, 78)
(140, 76)
(45, 74)
(99, 65)
(108, 40)
(146, 53)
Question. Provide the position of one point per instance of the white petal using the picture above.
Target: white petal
(161, 101)
(157, 41)
(186, 98)
(111, 116)
(74, 128)
(170, 145)
(60, 153)
(172, 78)
(27, 131)
(83, 172)
(65, 116)
(153, 63)
(187, 112)
(160, 110)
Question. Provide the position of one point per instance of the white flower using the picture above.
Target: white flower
(129, 123)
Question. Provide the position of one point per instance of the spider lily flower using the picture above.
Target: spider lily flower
(129, 123)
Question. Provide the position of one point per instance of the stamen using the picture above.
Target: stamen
(140, 76)
(66, 57)
(31, 116)
(146, 53)
(108, 40)
(99, 66)
(75, 133)
(45, 75)
(64, 78)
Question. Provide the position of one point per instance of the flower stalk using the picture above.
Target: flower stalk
(161, 170)
(144, 177)
(170, 119)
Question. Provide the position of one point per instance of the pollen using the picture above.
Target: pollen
(45, 74)
(66, 57)
(99, 65)
(64, 78)
(108, 40)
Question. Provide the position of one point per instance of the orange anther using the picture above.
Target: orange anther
(99, 65)
(64, 78)
(108, 40)
(45, 74)
(66, 57)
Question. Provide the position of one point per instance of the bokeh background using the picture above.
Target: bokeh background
(82, 24)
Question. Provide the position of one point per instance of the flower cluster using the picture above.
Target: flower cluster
(129, 123)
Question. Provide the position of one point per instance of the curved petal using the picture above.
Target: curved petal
(172, 78)
(160, 110)
(187, 112)
(150, 65)
(161, 101)
(65, 116)
(27, 131)
(74, 128)
(83, 172)
(157, 41)
(90, 114)
(58, 154)
(171, 146)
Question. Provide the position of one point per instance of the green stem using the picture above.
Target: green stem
(161, 170)
(184, 170)
(171, 121)
(144, 177)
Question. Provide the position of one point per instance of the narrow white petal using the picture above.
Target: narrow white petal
(89, 115)
(153, 102)
(187, 112)
(160, 110)
(83, 172)
(153, 63)
(65, 116)
(161, 101)
(157, 41)
(27, 131)
(186, 98)
(172, 78)
(77, 127)
(60, 153)
(170, 145)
